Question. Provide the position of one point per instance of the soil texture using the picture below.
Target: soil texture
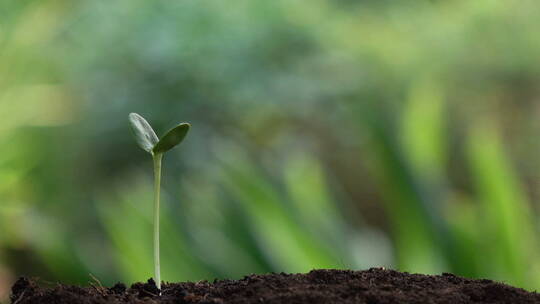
(373, 286)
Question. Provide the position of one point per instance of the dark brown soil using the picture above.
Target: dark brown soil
(373, 286)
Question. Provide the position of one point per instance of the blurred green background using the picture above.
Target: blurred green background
(342, 134)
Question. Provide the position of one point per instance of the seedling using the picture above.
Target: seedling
(149, 142)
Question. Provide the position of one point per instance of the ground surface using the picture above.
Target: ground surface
(374, 286)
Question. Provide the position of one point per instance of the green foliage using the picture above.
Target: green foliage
(148, 140)
(143, 132)
(507, 222)
(172, 138)
(329, 134)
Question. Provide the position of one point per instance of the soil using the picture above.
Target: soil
(373, 286)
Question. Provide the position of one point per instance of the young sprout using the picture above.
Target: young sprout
(149, 142)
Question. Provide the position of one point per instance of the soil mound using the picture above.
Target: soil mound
(373, 286)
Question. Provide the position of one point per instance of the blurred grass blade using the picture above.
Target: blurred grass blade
(317, 212)
(424, 140)
(423, 130)
(414, 227)
(508, 233)
(285, 244)
(463, 216)
(212, 221)
(127, 218)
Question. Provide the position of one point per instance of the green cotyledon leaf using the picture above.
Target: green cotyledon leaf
(172, 138)
(143, 132)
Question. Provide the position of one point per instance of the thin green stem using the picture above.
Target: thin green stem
(157, 186)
